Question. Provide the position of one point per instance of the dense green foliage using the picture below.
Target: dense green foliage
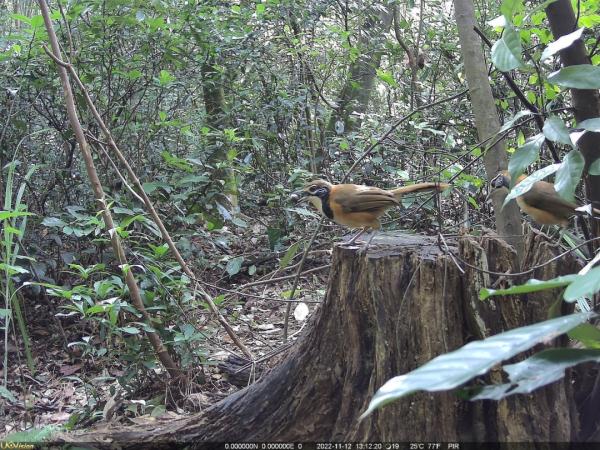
(222, 109)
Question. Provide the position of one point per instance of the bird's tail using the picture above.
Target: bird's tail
(399, 192)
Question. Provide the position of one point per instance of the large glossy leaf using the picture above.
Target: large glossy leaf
(590, 124)
(506, 52)
(452, 369)
(556, 131)
(524, 156)
(582, 76)
(583, 286)
(569, 174)
(541, 369)
(532, 285)
(561, 43)
(528, 182)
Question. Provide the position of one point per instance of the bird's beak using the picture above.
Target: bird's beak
(298, 196)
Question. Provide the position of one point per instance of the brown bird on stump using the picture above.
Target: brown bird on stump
(357, 206)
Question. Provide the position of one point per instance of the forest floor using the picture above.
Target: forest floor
(70, 386)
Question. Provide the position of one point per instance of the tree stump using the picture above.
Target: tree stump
(386, 312)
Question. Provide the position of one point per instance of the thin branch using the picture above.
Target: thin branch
(372, 147)
(530, 106)
(150, 207)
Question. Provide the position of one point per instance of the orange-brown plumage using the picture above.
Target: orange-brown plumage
(541, 202)
(358, 206)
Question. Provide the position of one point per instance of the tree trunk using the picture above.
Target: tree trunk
(586, 102)
(508, 218)
(386, 313)
(217, 119)
(357, 90)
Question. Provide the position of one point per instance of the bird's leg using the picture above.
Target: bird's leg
(351, 241)
(370, 239)
(363, 250)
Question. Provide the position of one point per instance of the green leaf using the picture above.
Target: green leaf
(234, 265)
(524, 156)
(569, 174)
(556, 131)
(587, 334)
(508, 8)
(583, 286)
(506, 52)
(595, 167)
(5, 393)
(516, 117)
(21, 18)
(539, 370)
(291, 252)
(452, 369)
(561, 43)
(33, 435)
(532, 285)
(590, 124)
(53, 222)
(528, 182)
(386, 77)
(165, 78)
(176, 162)
(582, 76)
(10, 214)
(12, 269)
(129, 330)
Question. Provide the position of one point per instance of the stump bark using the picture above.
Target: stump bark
(386, 312)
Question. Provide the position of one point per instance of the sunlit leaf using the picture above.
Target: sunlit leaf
(556, 131)
(569, 174)
(582, 76)
(583, 286)
(590, 124)
(524, 156)
(506, 52)
(10, 214)
(453, 369)
(532, 285)
(539, 370)
(386, 77)
(561, 43)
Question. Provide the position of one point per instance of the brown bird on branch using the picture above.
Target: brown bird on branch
(541, 202)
